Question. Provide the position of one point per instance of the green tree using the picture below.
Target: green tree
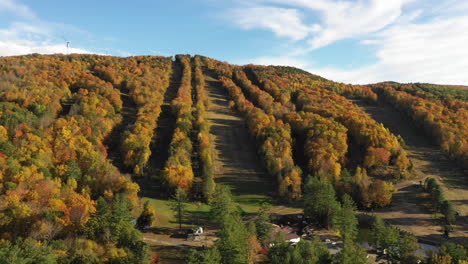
(345, 219)
(121, 208)
(27, 251)
(279, 252)
(233, 240)
(209, 187)
(408, 245)
(178, 205)
(429, 184)
(456, 251)
(207, 256)
(306, 252)
(448, 211)
(222, 204)
(351, 253)
(263, 224)
(437, 197)
(73, 171)
(129, 238)
(386, 239)
(319, 201)
(99, 226)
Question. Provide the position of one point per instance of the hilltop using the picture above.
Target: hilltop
(85, 140)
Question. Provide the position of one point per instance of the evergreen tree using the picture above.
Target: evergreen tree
(351, 253)
(345, 219)
(100, 225)
(448, 211)
(279, 252)
(233, 240)
(429, 184)
(314, 252)
(392, 245)
(233, 243)
(408, 245)
(207, 256)
(319, 201)
(121, 208)
(222, 204)
(386, 238)
(262, 224)
(305, 252)
(437, 195)
(178, 205)
(27, 251)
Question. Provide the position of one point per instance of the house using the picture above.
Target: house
(289, 234)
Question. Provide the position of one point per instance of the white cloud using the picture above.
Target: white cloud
(28, 47)
(32, 35)
(430, 52)
(284, 22)
(413, 40)
(346, 19)
(16, 8)
(336, 19)
(22, 38)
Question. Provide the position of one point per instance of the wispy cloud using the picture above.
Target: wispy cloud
(413, 40)
(284, 22)
(430, 52)
(30, 34)
(336, 20)
(16, 8)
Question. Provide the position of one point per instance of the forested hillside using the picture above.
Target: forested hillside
(79, 132)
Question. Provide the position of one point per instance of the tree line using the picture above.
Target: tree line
(178, 171)
(444, 120)
(205, 143)
(274, 142)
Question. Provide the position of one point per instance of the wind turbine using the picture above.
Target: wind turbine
(68, 46)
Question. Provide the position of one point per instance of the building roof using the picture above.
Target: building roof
(288, 232)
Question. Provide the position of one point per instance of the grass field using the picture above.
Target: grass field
(198, 213)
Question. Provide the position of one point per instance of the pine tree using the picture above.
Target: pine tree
(263, 224)
(178, 205)
(351, 253)
(320, 202)
(345, 219)
(222, 204)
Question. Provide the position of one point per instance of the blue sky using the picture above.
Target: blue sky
(353, 41)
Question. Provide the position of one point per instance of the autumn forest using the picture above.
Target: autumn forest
(87, 141)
